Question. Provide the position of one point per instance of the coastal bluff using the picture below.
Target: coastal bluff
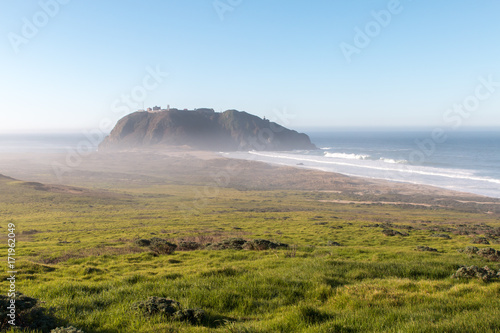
(202, 129)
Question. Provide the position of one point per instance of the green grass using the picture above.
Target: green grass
(76, 253)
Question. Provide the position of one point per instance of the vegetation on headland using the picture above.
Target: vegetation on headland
(347, 267)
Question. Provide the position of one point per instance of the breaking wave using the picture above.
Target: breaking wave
(348, 156)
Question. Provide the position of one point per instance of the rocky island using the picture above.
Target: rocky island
(202, 129)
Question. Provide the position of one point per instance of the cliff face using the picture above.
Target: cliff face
(203, 129)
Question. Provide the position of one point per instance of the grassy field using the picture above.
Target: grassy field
(77, 253)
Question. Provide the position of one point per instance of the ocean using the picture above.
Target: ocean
(467, 161)
(46, 143)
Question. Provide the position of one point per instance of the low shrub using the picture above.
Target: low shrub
(444, 236)
(142, 242)
(390, 232)
(486, 274)
(480, 240)
(263, 244)
(188, 246)
(426, 248)
(170, 309)
(488, 252)
(69, 329)
(28, 314)
(161, 246)
(230, 243)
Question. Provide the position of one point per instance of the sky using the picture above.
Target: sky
(69, 65)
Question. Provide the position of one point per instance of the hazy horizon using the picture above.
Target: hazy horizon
(312, 129)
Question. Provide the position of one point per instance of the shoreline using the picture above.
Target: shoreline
(300, 165)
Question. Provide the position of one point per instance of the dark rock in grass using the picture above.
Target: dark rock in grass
(480, 240)
(390, 232)
(69, 329)
(336, 227)
(426, 248)
(170, 309)
(28, 314)
(263, 244)
(332, 243)
(486, 274)
(444, 236)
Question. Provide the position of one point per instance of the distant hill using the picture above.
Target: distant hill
(203, 129)
(2, 177)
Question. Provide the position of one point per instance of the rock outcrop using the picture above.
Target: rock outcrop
(202, 129)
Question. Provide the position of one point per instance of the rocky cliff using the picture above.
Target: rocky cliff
(203, 129)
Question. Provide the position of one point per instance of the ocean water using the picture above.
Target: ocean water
(467, 161)
(47, 143)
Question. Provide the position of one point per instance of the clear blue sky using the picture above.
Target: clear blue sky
(262, 56)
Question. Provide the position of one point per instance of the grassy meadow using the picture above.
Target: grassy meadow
(77, 253)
